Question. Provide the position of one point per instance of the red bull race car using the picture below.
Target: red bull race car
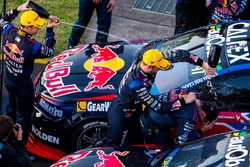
(75, 89)
(224, 150)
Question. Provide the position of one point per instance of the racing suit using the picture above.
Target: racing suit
(20, 50)
(190, 14)
(225, 10)
(134, 91)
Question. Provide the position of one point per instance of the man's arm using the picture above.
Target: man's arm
(11, 15)
(144, 96)
(5, 21)
(179, 55)
(48, 49)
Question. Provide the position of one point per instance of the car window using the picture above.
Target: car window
(182, 72)
(232, 89)
(222, 150)
(236, 91)
(202, 153)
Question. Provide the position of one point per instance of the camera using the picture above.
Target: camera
(15, 127)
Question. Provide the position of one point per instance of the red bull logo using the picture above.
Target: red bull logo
(102, 67)
(12, 51)
(58, 69)
(71, 158)
(110, 160)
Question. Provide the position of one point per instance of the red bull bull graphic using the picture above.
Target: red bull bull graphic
(12, 51)
(56, 70)
(102, 67)
(110, 160)
(71, 158)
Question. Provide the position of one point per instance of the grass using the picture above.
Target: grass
(65, 10)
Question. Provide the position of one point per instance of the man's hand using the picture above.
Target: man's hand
(23, 7)
(208, 70)
(207, 126)
(53, 21)
(97, 2)
(111, 5)
(190, 97)
(19, 132)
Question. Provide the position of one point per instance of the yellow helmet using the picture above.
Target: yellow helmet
(154, 57)
(31, 18)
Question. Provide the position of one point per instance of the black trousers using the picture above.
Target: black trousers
(190, 14)
(20, 106)
(123, 130)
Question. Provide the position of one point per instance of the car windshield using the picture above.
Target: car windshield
(215, 151)
(182, 72)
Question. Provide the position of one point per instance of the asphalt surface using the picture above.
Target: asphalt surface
(40, 162)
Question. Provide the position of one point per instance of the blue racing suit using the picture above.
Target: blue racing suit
(226, 11)
(20, 50)
(135, 90)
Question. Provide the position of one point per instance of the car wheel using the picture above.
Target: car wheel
(91, 134)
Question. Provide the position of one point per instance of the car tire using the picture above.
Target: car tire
(91, 134)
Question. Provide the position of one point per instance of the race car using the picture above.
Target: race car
(224, 150)
(75, 89)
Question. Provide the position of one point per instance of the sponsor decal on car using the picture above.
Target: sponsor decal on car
(50, 109)
(236, 151)
(236, 49)
(44, 136)
(71, 158)
(103, 65)
(229, 117)
(58, 69)
(101, 106)
(195, 82)
(110, 160)
(169, 158)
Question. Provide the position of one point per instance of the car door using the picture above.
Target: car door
(233, 101)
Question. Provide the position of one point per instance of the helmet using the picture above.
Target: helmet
(31, 18)
(154, 57)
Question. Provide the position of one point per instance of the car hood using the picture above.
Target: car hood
(109, 156)
(81, 73)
